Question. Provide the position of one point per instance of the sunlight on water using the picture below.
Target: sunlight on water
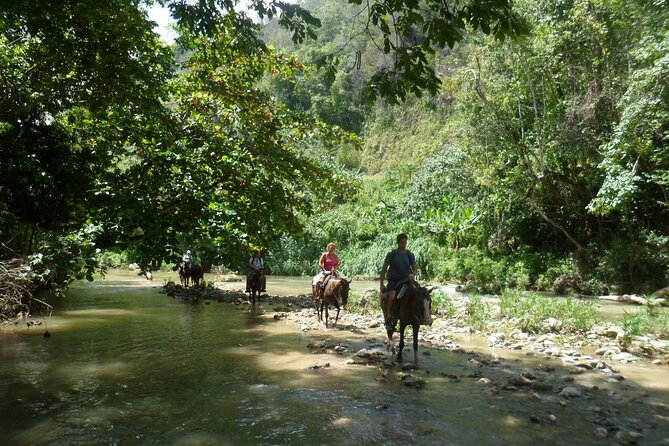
(343, 421)
(40, 433)
(112, 371)
(102, 312)
(127, 365)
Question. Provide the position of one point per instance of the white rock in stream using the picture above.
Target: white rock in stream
(624, 357)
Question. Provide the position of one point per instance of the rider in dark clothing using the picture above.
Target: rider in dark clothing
(400, 264)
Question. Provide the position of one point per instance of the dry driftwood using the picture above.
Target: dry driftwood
(631, 298)
(17, 285)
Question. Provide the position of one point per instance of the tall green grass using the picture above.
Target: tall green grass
(530, 312)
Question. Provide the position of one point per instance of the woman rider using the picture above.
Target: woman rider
(328, 264)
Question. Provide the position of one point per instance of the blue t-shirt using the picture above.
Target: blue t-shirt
(399, 265)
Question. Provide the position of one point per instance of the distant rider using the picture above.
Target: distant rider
(256, 263)
(187, 259)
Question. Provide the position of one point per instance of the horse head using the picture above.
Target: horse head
(421, 299)
(345, 287)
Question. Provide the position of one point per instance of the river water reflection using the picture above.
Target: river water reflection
(128, 365)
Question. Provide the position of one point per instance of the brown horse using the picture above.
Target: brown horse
(188, 272)
(411, 311)
(336, 289)
(197, 274)
(184, 274)
(255, 285)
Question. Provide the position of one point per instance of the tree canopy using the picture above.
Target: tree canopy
(516, 142)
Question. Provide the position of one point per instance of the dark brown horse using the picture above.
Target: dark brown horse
(189, 273)
(411, 311)
(255, 285)
(197, 274)
(336, 289)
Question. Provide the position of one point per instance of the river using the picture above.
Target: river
(127, 365)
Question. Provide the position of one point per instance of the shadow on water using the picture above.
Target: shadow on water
(128, 365)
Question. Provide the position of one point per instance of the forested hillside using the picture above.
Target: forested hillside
(541, 162)
(518, 144)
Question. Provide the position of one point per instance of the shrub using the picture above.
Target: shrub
(529, 312)
(477, 313)
(442, 303)
(112, 259)
(636, 323)
(564, 268)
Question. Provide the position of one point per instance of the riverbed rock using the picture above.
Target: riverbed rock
(520, 381)
(628, 437)
(612, 332)
(553, 324)
(601, 432)
(411, 380)
(541, 385)
(662, 293)
(496, 339)
(319, 366)
(624, 357)
(570, 392)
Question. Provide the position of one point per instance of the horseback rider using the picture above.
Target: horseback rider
(187, 259)
(400, 264)
(256, 264)
(328, 264)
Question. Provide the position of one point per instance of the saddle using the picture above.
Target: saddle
(327, 278)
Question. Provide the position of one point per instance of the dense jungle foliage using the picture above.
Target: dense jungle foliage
(542, 162)
(518, 144)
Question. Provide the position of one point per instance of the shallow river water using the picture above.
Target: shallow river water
(127, 365)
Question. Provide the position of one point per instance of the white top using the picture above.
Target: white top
(257, 262)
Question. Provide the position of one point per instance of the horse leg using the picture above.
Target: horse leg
(415, 327)
(317, 302)
(336, 317)
(389, 344)
(399, 354)
(327, 315)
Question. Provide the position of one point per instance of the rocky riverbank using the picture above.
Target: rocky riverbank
(602, 343)
(562, 379)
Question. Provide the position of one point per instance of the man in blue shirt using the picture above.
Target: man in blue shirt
(400, 264)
